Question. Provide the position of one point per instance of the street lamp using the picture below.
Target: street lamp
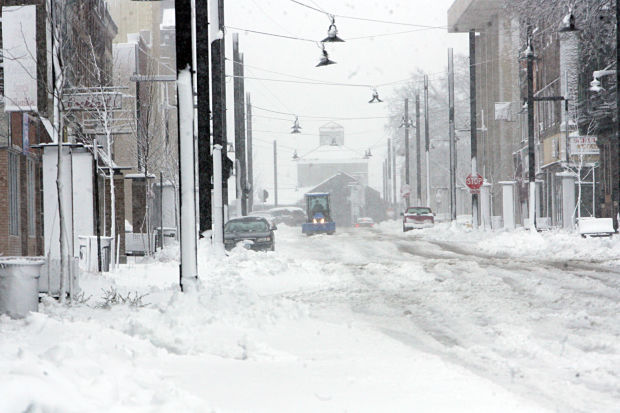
(568, 23)
(595, 84)
(332, 32)
(325, 60)
(296, 128)
(375, 97)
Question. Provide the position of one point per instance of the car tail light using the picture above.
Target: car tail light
(357, 225)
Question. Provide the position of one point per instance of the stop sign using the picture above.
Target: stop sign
(474, 182)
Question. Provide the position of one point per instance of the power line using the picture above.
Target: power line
(273, 34)
(371, 36)
(308, 6)
(319, 117)
(273, 71)
(366, 18)
(317, 82)
(303, 82)
(318, 135)
(431, 76)
(390, 22)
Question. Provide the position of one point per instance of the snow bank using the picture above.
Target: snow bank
(264, 332)
(555, 245)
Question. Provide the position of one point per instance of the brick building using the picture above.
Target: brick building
(23, 128)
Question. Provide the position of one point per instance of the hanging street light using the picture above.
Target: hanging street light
(568, 23)
(296, 128)
(595, 86)
(408, 125)
(295, 156)
(368, 154)
(375, 97)
(325, 58)
(332, 32)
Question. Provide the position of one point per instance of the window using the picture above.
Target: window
(13, 194)
(31, 198)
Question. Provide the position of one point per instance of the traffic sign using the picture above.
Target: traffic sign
(474, 182)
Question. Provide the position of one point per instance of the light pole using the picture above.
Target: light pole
(472, 111)
(427, 143)
(452, 135)
(595, 86)
(406, 123)
(530, 57)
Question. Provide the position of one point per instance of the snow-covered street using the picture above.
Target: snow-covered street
(442, 319)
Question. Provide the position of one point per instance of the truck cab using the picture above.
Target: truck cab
(318, 214)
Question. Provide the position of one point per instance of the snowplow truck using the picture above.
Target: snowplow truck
(318, 215)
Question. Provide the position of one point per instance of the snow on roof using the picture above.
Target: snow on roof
(138, 175)
(332, 126)
(330, 178)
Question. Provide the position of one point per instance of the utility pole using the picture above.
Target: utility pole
(406, 125)
(187, 228)
(161, 210)
(394, 194)
(384, 177)
(218, 91)
(389, 170)
(615, 152)
(418, 172)
(275, 173)
(452, 136)
(529, 54)
(427, 143)
(96, 196)
(472, 115)
(205, 160)
(239, 93)
(218, 204)
(249, 149)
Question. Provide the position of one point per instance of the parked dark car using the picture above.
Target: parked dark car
(257, 233)
(292, 216)
(418, 217)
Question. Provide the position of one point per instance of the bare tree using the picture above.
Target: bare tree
(152, 150)
(438, 118)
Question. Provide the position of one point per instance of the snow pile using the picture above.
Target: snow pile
(350, 322)
(555, 245)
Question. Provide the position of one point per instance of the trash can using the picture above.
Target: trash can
(19, 285)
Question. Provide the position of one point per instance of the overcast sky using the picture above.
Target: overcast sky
(372, 61)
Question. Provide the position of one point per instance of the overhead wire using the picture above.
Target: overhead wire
(432, 76)
(303, 82)
(318, 117)
(273, 34)
(342, 16)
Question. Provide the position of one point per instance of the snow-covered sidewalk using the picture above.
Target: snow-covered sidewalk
(245, 342)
